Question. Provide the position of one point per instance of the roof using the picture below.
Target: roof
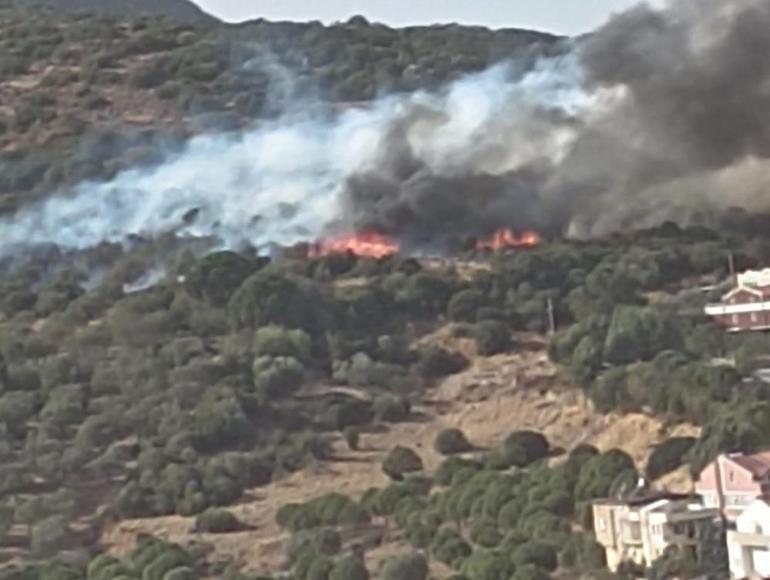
(643, 500)
(757, 464)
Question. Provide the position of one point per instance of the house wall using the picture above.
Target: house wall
(748, 545)
(738, 487)
(742, 309)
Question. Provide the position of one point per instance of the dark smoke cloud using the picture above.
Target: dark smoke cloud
(675, 122)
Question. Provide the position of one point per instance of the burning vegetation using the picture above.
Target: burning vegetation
(506, 238)
(363, 244)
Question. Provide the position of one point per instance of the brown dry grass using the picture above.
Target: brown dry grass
(497, 395)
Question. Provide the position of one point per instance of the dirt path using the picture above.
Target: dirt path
(498, 395)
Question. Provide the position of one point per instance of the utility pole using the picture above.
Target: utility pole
(731, 263)
(551, 317)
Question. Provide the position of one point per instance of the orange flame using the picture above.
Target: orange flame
(364, 244)
(507, 238)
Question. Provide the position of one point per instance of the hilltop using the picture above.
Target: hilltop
(175, 10)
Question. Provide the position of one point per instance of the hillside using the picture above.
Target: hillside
(176, 10)
(178, 406)
(83, 98)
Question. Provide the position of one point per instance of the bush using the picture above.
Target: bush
(352, 438)
(349, 568)
(277, 377)
(530, 572)
(464, 305)
(452, 465)
(181, 573)
(668, 456)
(450, 548)
(49, 536)
(400, 461)
(537, 553)
(434, 362)
(276, 341)
(492, 337)
(217, 521)
(488, 565)
(450, 441)
(524, 447)
(411, 566)
(391, 408)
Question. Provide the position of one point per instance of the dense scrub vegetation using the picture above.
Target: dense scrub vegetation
(177, 397)
(151, 559)
(477, 516)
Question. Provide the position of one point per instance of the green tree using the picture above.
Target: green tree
(349, 568)
(450, 441)
(411, 566)
(217, 521)
(400, 461)
(492, 337)
(217, 276)
(277, 377)
(276, 341)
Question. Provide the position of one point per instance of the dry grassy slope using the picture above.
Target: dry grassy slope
(123, 104)
(496, 396)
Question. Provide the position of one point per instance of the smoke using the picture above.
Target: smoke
(660, 114)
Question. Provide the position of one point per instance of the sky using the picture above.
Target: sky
(558, 16)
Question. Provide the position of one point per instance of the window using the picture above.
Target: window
(600, 524)
(754, 317)
(736, 320)
(731, 476)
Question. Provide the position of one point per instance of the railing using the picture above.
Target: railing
(748, 539)
(721, 309)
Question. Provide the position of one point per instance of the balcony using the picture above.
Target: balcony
(749, 540)
(722, 309)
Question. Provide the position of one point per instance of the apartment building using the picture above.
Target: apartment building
(748, 545)
(640, 529)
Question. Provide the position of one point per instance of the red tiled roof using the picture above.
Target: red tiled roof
(758, 464)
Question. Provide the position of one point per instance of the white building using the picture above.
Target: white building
(640, 529)
(749, 544)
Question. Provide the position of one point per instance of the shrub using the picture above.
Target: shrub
(181, 573)
(400, 461)
(411, 566)
(49, 535)
(488, 565)
(352, 438)
(530, 572)
(319, 569)
(434, 362)
(451, 441)
(391, 408)
(537, 553)
(450, 548)
(276, 341)
(668, 456)
(349, 568)
(277, 377)
(452, 465)
(524, 447)
(463, 306)
(484, 533)
(492, 337)
(217, 521)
